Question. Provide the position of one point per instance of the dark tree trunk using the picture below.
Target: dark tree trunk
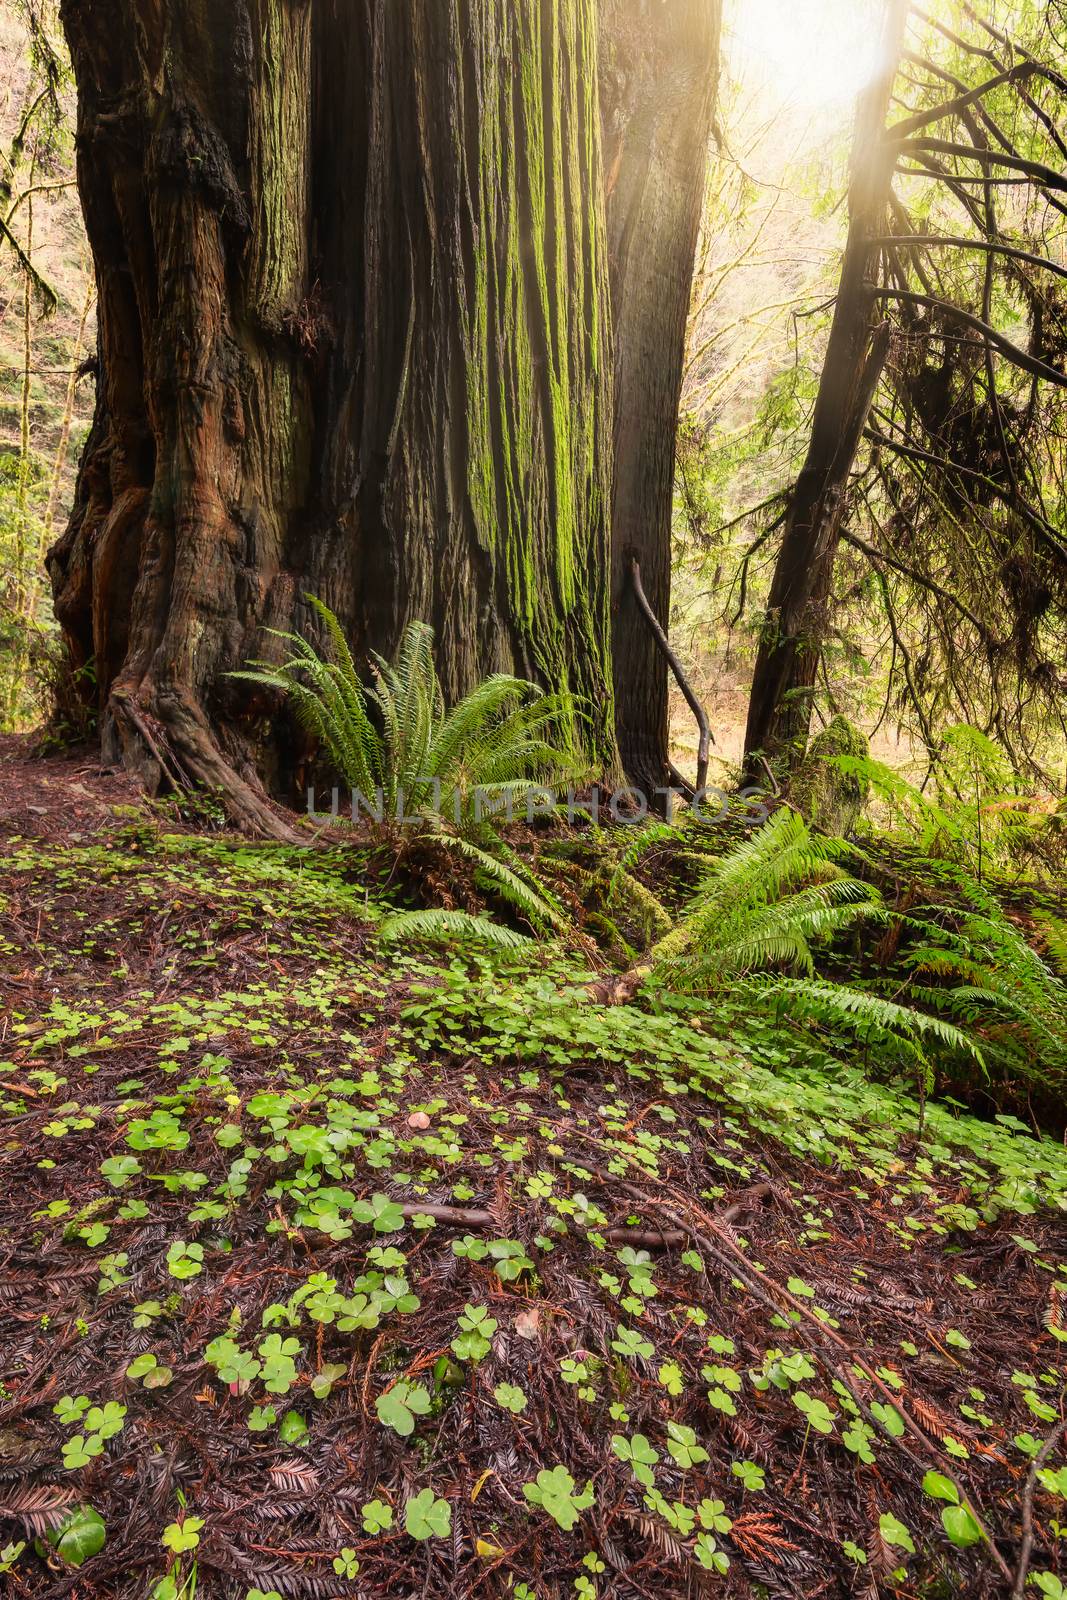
(779, 712)
(194, 169)
(659, 71)
(354, 341)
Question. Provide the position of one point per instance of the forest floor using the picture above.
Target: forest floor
(330, 1269)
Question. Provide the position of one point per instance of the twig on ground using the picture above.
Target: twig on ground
(1027, 1545)
(649, 1238)
(762, 1285)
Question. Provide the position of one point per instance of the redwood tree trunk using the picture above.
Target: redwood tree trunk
(659, 72)
(779, 712)
(354, 341)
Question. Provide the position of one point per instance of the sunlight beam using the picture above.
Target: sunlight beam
(807, 53)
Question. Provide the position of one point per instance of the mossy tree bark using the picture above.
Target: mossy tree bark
(354, 340)
(659, 74)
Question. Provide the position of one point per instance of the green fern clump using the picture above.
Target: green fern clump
(396, 739)
(760, 914)
(443, 775)
(1053, 931)
(974, 966)
(763, 905)
(973, 813)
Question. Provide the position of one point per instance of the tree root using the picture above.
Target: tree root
(164, 734)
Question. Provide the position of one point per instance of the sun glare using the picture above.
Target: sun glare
(808, 53)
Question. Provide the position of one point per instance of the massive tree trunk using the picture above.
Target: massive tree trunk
(659, 72)
(354, 340)
(779, 712)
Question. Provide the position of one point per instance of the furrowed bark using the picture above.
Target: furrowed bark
(193, 160)
(659, 70)
(472, 388)
(354, 341)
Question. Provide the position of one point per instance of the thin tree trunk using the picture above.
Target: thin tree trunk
(22, 496)
(30, 591)
(354, 340)
(779, 713)
(59, 462)
(659, 72)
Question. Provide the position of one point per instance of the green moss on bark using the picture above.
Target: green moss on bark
(533, 323)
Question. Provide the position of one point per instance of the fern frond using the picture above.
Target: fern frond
(1054, 933)
(837, 1003)
(645, 839)
(448, 927)
(511, 882)
(763, 905)
(493, 749)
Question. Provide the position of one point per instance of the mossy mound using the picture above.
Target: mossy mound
(828, 798)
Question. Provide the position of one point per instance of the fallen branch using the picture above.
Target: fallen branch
(681, 782)
(458, 1215)
(619, 990)
(732, 1258)
(648, 1238)
(682, 681)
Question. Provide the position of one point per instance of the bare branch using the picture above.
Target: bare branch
(992, 246)
(922, 579)
(1037, 170)
(951, 108)
(913, 453)
(675, 665)
(1011, 352)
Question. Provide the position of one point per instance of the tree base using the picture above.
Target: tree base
(164, 740)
